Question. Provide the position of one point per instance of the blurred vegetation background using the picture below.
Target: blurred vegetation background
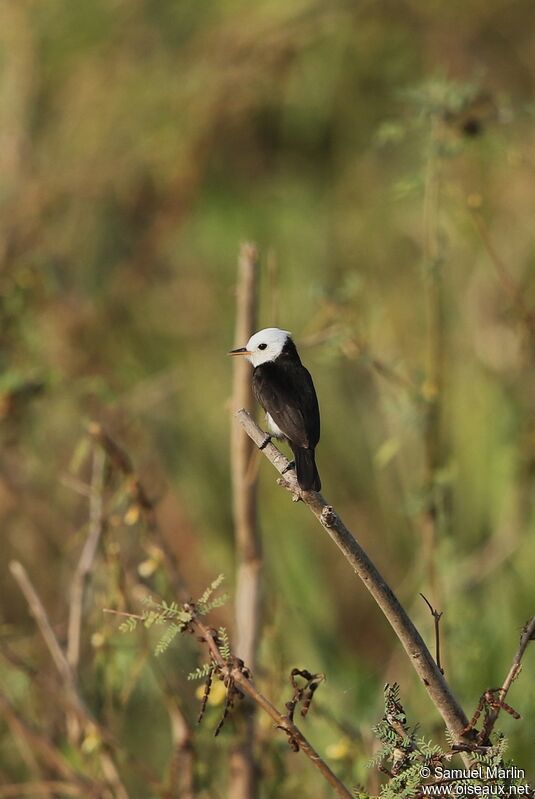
(381, 155)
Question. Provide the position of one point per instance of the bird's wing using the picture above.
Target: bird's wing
(290, 401)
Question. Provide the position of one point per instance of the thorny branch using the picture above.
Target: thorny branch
(426, 668)
(122, 461)
(488, 702)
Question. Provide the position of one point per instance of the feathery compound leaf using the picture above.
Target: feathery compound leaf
(161, 612)
(359, 792)
(205, 603)
(201, 672)
(210, 590)
(429, 749)
(129, 625)
(170, 608)
(151, 617)
(224, 643)
(216, 602)
(167, 638)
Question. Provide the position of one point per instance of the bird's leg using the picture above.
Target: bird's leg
(291, 465)
(265, 442)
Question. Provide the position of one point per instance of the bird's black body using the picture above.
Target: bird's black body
(285, 390)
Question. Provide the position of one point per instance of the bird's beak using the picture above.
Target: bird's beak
(240, 351)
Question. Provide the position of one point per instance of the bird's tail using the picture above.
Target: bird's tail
(305, 467)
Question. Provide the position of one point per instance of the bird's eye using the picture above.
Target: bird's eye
(262, 346)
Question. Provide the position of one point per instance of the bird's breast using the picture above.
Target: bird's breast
(274, 429)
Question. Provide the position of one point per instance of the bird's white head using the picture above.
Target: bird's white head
(264, 346)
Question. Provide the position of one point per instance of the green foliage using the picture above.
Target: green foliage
(413, 763)
(177, 618)
(224, 643)
(168, 637)
(129, 625)
(207, 601)
(201, 672)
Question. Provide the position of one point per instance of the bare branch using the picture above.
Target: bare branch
(420, 657)
(40, 615)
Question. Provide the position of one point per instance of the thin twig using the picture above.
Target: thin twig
(436, 618)
(85, 564)
(246, 533)
(39, 613)
(528, 634)
(420, 657)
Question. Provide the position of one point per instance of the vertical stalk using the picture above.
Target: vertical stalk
(246, 533)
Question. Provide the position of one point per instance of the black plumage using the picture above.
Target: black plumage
(285, 390)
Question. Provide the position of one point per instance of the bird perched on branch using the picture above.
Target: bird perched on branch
(284, 388)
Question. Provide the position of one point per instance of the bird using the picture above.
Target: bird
(284, 389)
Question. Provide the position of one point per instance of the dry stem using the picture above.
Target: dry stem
(247, 538)
(420, 657)
(84, 566)
(248, 546)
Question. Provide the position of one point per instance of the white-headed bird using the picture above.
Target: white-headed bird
(284, 388)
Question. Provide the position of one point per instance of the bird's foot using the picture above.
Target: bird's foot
(288, 468)
(265, 442)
